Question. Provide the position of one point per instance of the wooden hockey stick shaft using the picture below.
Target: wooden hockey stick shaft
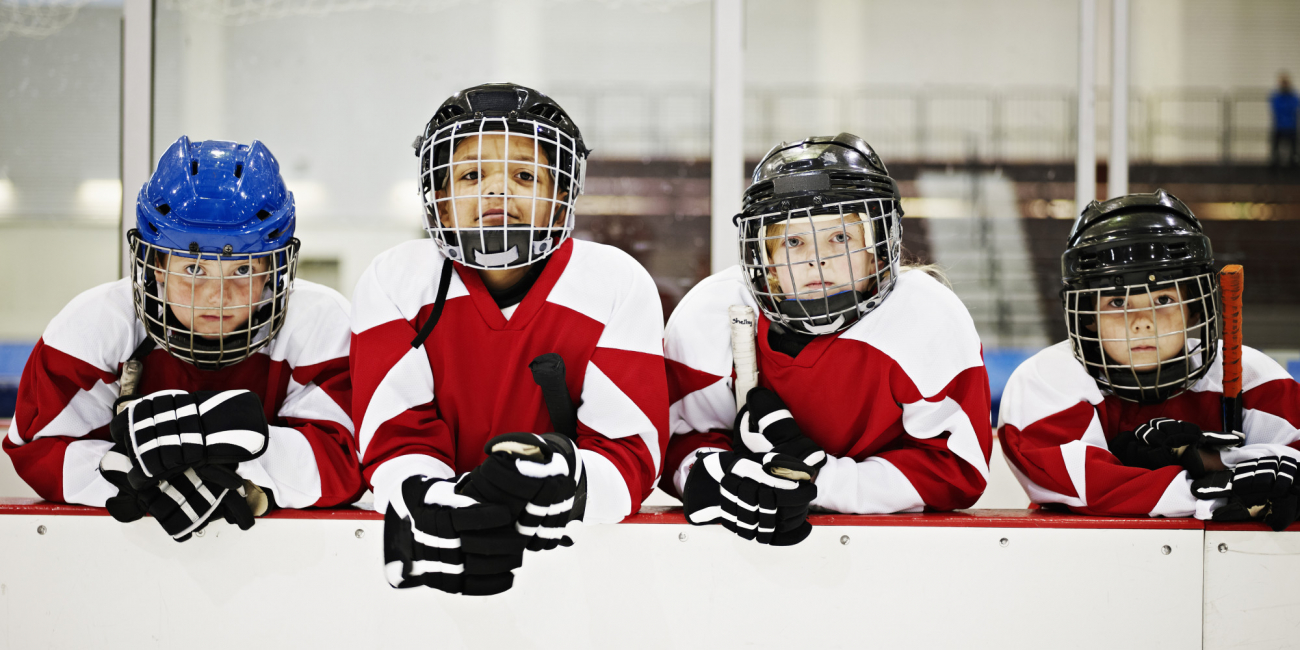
(743, 352)
(1231, 287)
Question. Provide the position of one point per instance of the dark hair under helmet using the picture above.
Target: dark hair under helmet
(824, 216)
(1120, 253)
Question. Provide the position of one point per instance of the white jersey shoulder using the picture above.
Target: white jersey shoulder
(610, 287)
(399, 283)
(924, 327)
(1256, 368)
(316, 326)
(1045, 384)
(99, 326)
(699, 331)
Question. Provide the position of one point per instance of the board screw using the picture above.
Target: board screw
(1223, 548)
(360, 533)
(1166, 550)
(681, 537)
(1004, 542)
(844, 539)
(40, 530)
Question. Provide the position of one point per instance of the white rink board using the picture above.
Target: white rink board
(1252, 589)
(92, 582)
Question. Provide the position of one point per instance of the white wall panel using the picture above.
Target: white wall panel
(305, 583)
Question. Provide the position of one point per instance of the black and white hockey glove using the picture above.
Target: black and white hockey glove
(1259, 488)
(1162, 442)
(436, 537)
(169, 431)
(764, 425)
(182, 505)
(749, 496)
(539, 478)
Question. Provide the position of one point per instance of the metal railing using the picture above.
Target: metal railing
(939, 124)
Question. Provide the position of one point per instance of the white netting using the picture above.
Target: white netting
(243, 12)
(36, 18)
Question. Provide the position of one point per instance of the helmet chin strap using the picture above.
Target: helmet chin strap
(492, 248)
(819, 330)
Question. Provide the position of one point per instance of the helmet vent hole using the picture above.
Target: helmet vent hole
(152, 228)
(273, 234)
(546, 112)
(194, 168)
(448, 113)
(239, 170)
(163, 209)
(263, 214)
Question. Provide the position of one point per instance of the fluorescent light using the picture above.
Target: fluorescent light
(7, 197)
(100, 197)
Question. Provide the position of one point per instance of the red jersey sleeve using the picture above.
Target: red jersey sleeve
(399, 432)
(59, 431)
(312, 456)
(1054, 439)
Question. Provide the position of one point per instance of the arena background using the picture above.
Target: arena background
(974, 105)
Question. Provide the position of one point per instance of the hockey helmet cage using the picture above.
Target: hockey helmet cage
(213, 202)
(524, 163)
(820, 233)
(1141, 296)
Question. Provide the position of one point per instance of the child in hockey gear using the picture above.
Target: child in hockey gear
(453, 423)
(1126, 417)
(872, 394)
(230, 403)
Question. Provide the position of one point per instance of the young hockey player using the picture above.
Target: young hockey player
(468, 431)
(231, 403)
(1126, 416)
(872, 395)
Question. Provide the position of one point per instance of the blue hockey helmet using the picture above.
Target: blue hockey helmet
(216, 197)
(214, 220)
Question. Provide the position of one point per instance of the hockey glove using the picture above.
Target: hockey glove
(183, 505)
(1185, 441)
(749, 497)
(1260, 488)
(170, 431)
(436, 537)
(539, 478)
(764, 425)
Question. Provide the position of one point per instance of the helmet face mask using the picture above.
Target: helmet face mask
(1146, 342)
(501, 167)
(816, 271)
(213, 257)
(1141, 296)
(208, 309)
(820, 234)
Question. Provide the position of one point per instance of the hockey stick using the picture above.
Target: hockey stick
(743, 354)
(132, 374)
(548, 374)
(1231, 286)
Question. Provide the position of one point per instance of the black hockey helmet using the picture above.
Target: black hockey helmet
(826, 187)
(1132, 247)
(508, 109)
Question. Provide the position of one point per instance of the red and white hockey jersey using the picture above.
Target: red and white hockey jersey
(1054, 424)
(899, 400)
(60, 428)
(429, 411)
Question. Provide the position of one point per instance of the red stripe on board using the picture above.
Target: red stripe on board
(957, 519)
(673, 515)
